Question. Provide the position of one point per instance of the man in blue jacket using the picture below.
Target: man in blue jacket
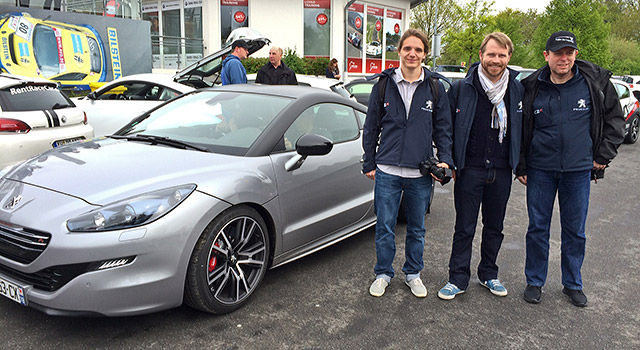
(487, 112)
(233, 72)
(572, 127)
(397, 137)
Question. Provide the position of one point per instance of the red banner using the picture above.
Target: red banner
(354, 65)
(391, 64)
(394, 14)
(317, 4)
(234, 2)
(374, 65)
(356, 7)
(375, 11)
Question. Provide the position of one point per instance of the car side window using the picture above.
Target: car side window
(361, 117)
(622, 90)
(333, 121)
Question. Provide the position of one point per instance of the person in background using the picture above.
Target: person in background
(275, 72)
(572, 127)
(332, 70)
(233, 72)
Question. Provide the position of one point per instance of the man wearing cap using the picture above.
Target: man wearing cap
(572, 127)
(233, 72)
(275, 72)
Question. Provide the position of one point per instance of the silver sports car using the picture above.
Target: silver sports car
(191, 202)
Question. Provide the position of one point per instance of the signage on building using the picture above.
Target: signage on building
(234, 2)
(322, 19)
(239, 16)
(114, 52)
(317, 4)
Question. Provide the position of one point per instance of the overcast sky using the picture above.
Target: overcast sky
(522, 5)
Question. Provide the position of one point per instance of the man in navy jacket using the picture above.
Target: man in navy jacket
(398, 134)
(572, 127)
(487, 109)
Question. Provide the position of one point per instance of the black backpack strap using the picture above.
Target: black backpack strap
(435, 89)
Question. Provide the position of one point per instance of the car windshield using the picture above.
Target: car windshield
(221, 122)
(32, 97)
(45, 50)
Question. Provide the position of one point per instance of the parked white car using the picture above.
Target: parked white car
(113, 105)
(36, 116)
(630, 109)
(317, 82)
(118, 102)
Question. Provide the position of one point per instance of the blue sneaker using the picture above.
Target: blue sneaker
(449, 291)
(495, 287)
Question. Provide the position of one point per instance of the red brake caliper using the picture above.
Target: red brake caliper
(213, 261)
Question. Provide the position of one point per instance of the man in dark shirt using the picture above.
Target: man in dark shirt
(275, 72)
(487, 111)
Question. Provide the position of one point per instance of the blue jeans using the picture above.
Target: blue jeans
(573, 196)
(389, 190)
(476, 187)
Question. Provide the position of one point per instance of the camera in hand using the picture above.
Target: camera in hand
(430, 166)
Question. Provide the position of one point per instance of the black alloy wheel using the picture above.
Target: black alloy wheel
(228, 262)
(634, 127)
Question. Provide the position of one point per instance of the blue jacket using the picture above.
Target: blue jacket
(463, 98)
(403, 141)
(233, 72)
(606, 120)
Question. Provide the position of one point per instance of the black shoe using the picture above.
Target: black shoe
(576, 296)
(532, 294)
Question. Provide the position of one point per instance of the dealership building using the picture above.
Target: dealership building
(362, 35)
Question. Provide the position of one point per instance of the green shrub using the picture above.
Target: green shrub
(306, 65)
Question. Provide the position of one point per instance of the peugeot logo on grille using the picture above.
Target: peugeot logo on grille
(13, 202)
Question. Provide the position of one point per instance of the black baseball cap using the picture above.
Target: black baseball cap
(561, 39)
(240, 43)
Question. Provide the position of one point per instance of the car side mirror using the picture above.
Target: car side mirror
(92, 95)
(313, 145)
(308, 145)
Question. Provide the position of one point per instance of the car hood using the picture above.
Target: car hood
(103, 171)
(211, 64)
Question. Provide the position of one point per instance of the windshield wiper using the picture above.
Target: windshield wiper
(59, 106)
(155, 140)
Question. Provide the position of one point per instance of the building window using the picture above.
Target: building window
(393, 26)
(233, 14)
(317, 28)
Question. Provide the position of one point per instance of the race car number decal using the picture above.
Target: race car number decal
(22, 27)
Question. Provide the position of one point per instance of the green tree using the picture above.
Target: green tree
(423, 16)
(519, 26)
(585, 18)
(625, 53)
(463, 45)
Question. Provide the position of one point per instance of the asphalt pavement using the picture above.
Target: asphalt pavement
(322, 301)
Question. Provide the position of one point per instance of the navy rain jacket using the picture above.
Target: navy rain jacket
(407, 142)
(463, 98)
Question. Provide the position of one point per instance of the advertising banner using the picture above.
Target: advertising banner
(355, 28)
(233, 14)
(317, 28)
(374, 39)
(393, 25)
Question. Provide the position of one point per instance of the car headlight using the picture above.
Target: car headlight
(131, 212)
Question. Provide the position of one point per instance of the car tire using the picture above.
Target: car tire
(634, 128)
(228, 261)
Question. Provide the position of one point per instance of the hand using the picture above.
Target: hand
(371, 175)
(522, 179)
(440, 165)
(598, 166)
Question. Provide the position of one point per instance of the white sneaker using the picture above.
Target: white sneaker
(377, 287)
(417, 288)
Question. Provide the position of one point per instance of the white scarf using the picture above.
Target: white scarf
(496, 93)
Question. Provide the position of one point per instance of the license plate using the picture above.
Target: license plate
(12, 291)
(66, 141)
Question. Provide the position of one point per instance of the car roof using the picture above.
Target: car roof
(160, 78)
(7, 80)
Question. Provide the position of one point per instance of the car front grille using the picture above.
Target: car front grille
(22, 245)
(49, 279)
